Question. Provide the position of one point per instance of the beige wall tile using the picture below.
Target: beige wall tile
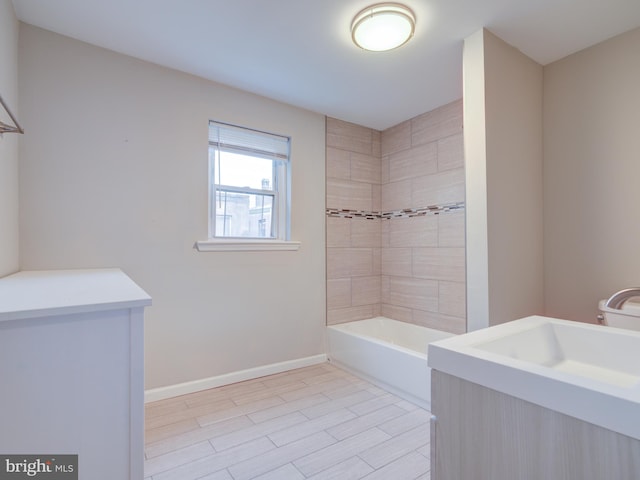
(376, 143)
(338, 232)
(438, 321)
(384, 169)
(451, 229)
(350, 314)
(396, 138)
(414, 162)
(377, 261)
(415, 293)
(365, 232)
(452, 299)
(451, 118)
(338, 293)
(376, 197)
(396, 195)
(365, 168)
(395, 312)
(439, 263)
(396, 262)
(439, 123)
(438, 189)
(349, 136)
(349, 262)
(385, 226)
(451, 152)
(384, 289)
(425, 128)
(365, 290)
(348, 194)
(338, 164)
(414, 231)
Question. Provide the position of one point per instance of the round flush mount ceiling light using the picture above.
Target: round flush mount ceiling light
(383, 26)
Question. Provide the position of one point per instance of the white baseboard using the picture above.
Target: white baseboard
(169, 391)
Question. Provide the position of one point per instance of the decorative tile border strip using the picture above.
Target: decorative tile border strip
(404, 213)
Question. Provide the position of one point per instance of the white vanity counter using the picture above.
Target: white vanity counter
(72, 369)
(56, 292)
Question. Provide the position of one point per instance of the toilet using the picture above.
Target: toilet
(627, 317)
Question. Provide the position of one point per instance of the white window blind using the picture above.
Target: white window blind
(248, 142)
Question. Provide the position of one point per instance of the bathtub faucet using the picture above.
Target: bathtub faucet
(619, 298)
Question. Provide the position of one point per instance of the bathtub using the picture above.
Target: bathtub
(388, 353)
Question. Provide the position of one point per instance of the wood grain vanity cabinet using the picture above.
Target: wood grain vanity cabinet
(482, 434)
(71, 369)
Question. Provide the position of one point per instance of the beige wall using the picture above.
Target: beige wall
(591, 175)
(9, 246)
(114, 173)
(475, 152)
(409, 269)
(503, 118)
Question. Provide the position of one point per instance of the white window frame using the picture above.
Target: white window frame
(280, 192)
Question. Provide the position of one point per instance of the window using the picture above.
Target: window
(249, 179)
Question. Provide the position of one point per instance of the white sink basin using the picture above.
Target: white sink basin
(578, 351)
(586, 371)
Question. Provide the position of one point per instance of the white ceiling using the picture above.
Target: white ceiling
(300, 51)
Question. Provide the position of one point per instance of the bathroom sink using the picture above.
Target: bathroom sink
(587, 371)
(575, 351)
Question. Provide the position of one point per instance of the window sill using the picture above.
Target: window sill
(235, 245)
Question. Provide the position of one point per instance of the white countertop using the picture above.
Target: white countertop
(30, 294)
(590, 372)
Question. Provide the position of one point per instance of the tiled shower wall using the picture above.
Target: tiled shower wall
(353, 244)
(394, 256)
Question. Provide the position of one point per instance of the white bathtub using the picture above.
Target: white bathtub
(386, 352)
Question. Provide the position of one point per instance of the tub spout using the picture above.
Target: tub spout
(617, 300)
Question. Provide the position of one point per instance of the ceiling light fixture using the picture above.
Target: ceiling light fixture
(383, 26)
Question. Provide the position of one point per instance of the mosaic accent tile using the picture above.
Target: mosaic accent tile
(346, 213)
(404, 213)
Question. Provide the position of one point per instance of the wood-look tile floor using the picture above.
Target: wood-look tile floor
(318, 422)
